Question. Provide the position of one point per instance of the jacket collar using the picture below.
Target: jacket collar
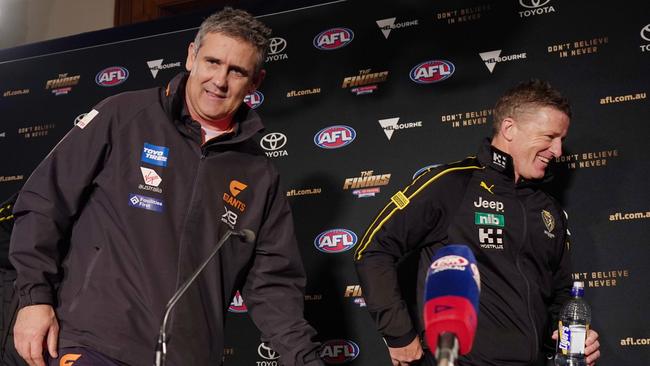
(246, 121)
(501, 162)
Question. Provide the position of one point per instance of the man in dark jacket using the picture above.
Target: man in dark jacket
(132, 200)
(494, 204)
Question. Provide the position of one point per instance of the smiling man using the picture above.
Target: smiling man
(129, 204)
(494, 203)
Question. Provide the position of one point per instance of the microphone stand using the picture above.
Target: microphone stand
(447, 350)
(161, 345)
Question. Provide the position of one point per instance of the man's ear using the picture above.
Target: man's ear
(507, 129)
(191, 56)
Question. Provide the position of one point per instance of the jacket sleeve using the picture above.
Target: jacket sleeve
(409, 221)
(6, 225)
(562, 280)
(274, 288)
(49, 202)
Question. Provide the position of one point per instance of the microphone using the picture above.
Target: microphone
(247, 236)
(451, 303)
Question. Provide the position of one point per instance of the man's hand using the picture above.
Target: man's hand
(592, 346)
(405, 355)
(36, 325)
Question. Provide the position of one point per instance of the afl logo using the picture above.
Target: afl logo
(338, 351)
(111, 76)
(335, 240)
(254, 99)
(334, 38)
(432, 71)
(237, 305)
(334, 137)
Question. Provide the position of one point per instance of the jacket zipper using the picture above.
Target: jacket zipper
(184, 230)
(530, 316)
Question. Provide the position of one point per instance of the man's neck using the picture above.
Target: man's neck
(223, 124)
(500, 144)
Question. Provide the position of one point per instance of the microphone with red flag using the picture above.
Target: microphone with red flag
(451, 303)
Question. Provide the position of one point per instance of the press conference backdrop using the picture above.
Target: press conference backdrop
(360, 96)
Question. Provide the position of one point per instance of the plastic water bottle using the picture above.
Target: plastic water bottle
(575, 318)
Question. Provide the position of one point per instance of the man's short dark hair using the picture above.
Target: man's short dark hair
(240, 24)
(533, 93)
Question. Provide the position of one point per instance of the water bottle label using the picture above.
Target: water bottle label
(572, 338)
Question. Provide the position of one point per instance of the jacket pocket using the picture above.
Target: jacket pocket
(86, 279)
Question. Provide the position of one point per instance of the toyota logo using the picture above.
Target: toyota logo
(277, 45)
(267, 352)
(533, 4)
(273, 141)
(645, 33)
(79, 118)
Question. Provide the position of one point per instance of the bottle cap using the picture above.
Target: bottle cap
(578, 289)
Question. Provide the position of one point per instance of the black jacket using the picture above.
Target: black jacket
(517, 233)
(126, 207)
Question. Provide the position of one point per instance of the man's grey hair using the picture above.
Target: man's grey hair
(239, 24)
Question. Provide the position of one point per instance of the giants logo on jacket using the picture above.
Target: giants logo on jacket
(236, 187)
(338, 351)
(335, 240)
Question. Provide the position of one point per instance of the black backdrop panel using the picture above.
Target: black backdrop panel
(597, 53)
